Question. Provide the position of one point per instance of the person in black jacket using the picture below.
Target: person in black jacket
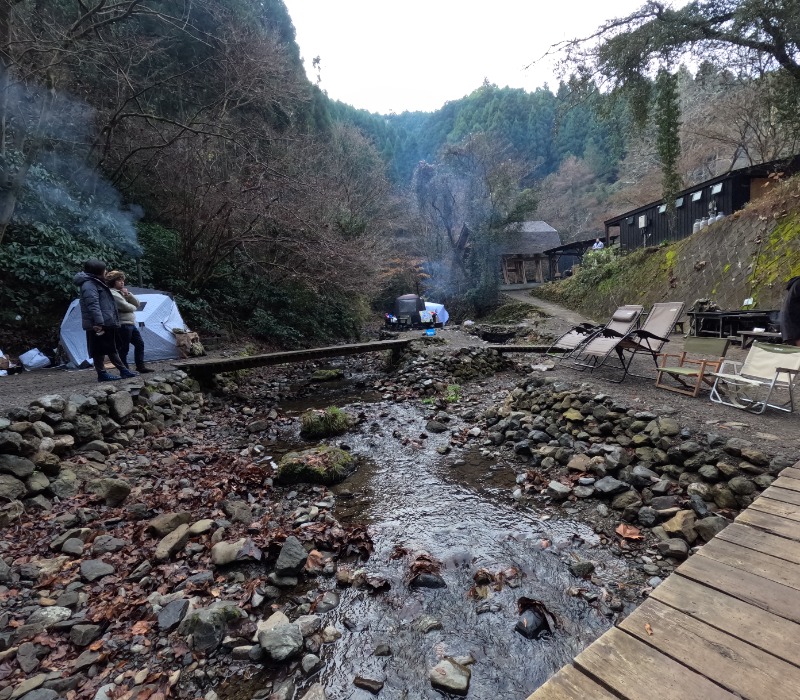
(790, 313)
(100, 320)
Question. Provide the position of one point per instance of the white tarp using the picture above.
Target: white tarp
(441, 312)
(155, 322)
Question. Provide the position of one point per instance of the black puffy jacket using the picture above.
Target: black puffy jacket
(98, 307)
(790, 312)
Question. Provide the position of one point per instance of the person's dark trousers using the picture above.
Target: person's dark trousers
(100, 346)
(138, 348)
(124, 337)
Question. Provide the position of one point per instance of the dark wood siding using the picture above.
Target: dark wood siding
(734, 190)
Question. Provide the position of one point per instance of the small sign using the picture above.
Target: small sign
(430, 331)
(748, 301)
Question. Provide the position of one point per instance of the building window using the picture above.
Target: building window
(662, 209)
(679, 202)
(697, 196)
(717, 189)
(629, 221)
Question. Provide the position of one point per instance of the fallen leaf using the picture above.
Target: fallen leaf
(648, 629)
(629, 532)
(141, 627)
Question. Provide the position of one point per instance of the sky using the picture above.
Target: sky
(387, 56)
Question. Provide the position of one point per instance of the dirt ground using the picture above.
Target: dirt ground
(776, 432)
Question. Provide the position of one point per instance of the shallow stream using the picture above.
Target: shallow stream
(459, 509)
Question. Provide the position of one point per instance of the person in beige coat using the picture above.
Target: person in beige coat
(128, 334)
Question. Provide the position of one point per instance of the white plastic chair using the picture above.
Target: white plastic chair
(750, 385)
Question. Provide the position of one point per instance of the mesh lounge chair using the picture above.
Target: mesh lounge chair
(598, 348)
(579, 335)
(650, 339)
(700, 357)
(751, 385)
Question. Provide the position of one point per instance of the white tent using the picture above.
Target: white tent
(441, 312)
(156, 319)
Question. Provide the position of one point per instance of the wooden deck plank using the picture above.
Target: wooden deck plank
(752, 561)
(636, 671)
(761, 541)
(568, 684)
(770, 523)
(776, 493)
(783, 510)
(792, 472)
(765, 594)
(786, 482)
(760, 628)
(714, 654)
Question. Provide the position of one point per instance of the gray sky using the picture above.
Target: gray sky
(418, 54)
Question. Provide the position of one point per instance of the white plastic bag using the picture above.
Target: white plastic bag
(34, 359)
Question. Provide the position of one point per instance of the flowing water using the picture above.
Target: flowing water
(459, 509)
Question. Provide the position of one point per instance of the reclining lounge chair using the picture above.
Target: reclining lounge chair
(579, 335)
(608, 350)
(767, 369)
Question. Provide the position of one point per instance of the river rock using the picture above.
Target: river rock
(224, 553)
(19, 467)
(93, 569)
(112, 491)
(426, 580)
(321, 465)
(741, 486)
(709, 527)
(172, 614)
(531, 624)
(674, 548)
(625, 500)
(120, 405)
(167, 522)
(49, 616)
(434, 426)
(609, 486)
(558, 491)
(315, 692)
(450, 676)
(281, 642)
(292, 558)
(682, 523)
(10, 443)
(173, 543)
(208, 625)
(372, 685)
(329, 600)
(310, 663)
(11, 488)
(84, 635)
(66, 486)
(581, 569)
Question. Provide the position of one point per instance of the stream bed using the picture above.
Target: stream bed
(458, 508)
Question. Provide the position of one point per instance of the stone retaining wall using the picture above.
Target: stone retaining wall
(59, 445)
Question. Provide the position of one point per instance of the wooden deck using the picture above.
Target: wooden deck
(203, 369)
(725, 625)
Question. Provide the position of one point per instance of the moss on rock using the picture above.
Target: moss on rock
(316, 424)
(327, 375)
(319, 465)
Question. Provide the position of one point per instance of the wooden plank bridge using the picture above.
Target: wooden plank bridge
(204, 369)
(724, 625)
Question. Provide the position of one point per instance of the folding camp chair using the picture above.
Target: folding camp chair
(751, 385)
(579, 335)
(604, 342)
(699, 358)
(650, 339)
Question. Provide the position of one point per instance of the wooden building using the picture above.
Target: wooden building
(521, 250)
(650, 225)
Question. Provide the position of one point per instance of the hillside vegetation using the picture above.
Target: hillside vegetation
(750, 254)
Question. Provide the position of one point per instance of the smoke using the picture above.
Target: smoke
(50, 135)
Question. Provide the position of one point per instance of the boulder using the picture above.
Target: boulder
(682, 523)
(674, 548)
(322, 465)
(209, 625)
(18, 467)
(120, 405)
(167, 522)
(174, 542)
(11, 488)
(112, 491)
(709, 527)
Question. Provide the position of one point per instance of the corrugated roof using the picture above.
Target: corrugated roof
(528, 238)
